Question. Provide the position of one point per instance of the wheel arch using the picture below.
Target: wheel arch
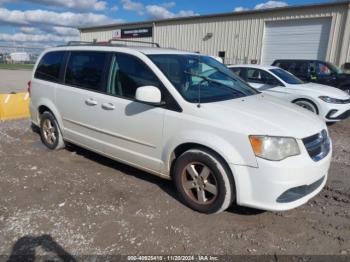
(307, 100)
(182, 148)
(48, 105)
(224, 148)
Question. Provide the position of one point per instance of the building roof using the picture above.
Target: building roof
(246, 12)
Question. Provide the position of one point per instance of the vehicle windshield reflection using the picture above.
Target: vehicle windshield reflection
(201, 78)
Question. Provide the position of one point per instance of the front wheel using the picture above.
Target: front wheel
(203, 181)
(308, 105)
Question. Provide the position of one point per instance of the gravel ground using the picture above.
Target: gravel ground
(14, 80)
(75, 202)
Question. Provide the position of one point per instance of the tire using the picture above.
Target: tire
(203, 181)
(50, 132)
(308, 105)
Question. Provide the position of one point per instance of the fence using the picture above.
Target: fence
(18, 56)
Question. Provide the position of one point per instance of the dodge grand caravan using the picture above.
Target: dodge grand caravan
(217, 138)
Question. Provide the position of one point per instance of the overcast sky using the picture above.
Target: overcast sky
(51, 22)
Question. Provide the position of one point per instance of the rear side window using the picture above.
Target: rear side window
(85, 69)
(49, 66)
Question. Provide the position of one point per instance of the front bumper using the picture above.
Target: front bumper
(281, 185)
(335, 112)
(342, 116)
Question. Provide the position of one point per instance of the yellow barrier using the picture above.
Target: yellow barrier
(14, 106)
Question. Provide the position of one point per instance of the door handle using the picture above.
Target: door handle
(91, 102)
(108, 106)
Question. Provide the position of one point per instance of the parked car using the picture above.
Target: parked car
(316, 71)
(219, 140)
(328, 102)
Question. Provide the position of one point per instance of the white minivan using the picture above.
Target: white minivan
(218, 139)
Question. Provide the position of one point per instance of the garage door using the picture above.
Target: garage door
(296, 39)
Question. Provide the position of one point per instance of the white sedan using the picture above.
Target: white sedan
(330, 103)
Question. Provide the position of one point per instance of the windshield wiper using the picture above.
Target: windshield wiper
(235, 92)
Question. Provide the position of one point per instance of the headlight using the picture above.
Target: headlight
(274, 148)
(331, 100)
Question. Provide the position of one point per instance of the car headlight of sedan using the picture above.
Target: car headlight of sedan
(331, 100)
(274, 148)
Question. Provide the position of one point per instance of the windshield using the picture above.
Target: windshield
(287, 77)
(334, 69)
(201, 78)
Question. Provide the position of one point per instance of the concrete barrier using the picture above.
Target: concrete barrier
(14, 106)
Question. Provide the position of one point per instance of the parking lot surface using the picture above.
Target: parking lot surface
(14, 80)
(86, 204)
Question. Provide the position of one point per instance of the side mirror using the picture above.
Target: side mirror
(148, 94)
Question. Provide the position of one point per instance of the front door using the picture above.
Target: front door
(132, 131)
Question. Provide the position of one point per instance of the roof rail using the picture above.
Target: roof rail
(133, 41)
(108, 43)
(73, 43)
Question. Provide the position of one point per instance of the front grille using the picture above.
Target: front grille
(318, 146)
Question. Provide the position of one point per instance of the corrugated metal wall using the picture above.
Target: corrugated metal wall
(106, 34)
(241, 35)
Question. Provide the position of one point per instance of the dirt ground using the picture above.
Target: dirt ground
(14, 80)
(75, 202)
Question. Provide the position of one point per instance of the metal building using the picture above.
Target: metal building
(318, 31)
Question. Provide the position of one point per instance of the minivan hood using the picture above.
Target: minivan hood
(263, 114)
(324, 90)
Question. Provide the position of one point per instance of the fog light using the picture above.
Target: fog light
(331, 113)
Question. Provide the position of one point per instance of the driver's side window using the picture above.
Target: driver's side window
(127, 73)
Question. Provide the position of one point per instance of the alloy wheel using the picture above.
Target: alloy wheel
(199, 183)
(49, 131)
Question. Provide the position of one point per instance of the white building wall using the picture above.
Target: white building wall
(241, 36)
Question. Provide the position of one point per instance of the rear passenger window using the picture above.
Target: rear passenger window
(49, 66)
(85, 69)
(127, 74)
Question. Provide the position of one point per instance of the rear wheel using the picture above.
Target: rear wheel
(308, 105)
(203, 181)
(50, 132)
